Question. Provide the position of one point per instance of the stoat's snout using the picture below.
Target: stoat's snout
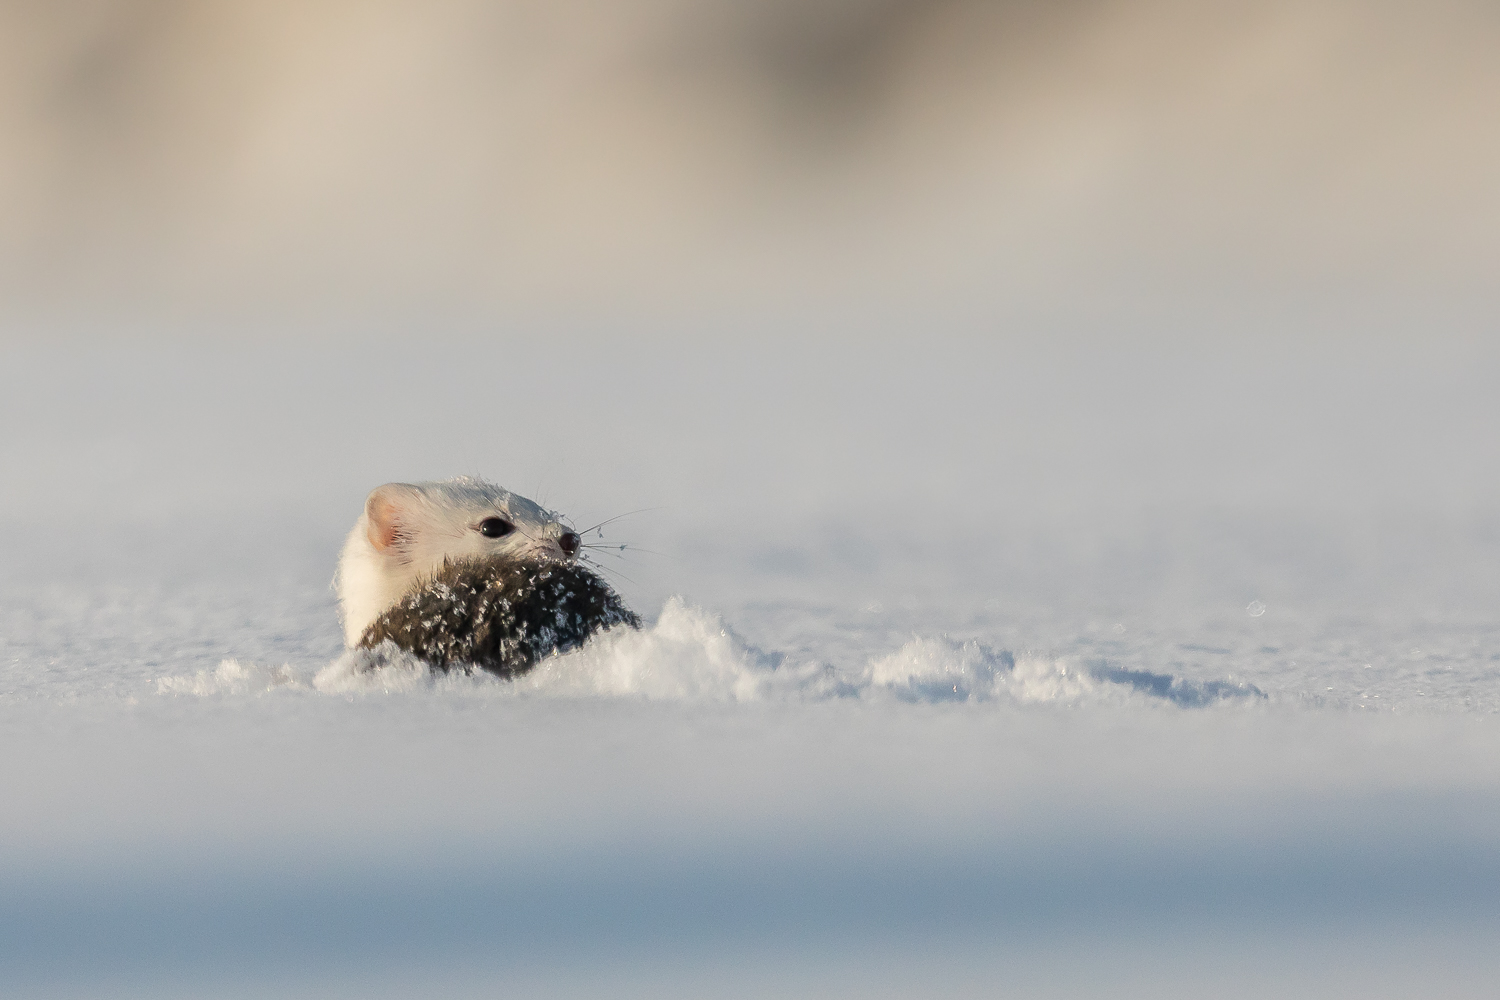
(507, 537)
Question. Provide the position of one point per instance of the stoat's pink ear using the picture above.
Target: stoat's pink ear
(386, 508)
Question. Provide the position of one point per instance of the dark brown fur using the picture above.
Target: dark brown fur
(499, 615)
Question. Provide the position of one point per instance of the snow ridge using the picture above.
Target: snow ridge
(690, 654)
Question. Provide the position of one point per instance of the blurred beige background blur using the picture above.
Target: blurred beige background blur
(207, 166)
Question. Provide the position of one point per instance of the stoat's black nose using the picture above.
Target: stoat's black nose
(569, 542)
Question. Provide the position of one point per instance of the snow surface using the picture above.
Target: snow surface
(898, 724)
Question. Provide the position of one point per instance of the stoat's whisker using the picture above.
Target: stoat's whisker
(605, 569)
(612, 520)
(626, 548)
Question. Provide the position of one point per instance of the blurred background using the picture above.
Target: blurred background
(492, 162)
(993, 165)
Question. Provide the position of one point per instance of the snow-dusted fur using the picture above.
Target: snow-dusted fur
(424, 524)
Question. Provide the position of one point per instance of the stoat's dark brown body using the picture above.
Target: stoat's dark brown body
(500, 615)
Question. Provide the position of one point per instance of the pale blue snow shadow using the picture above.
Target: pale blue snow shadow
(1178, 690)
(314, 916)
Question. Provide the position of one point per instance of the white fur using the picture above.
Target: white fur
(439, 521)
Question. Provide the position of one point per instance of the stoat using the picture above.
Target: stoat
(409, 533)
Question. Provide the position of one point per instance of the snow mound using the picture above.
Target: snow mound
(690, 654)
(941, 669)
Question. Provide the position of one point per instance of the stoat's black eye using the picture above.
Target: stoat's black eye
(495, 527)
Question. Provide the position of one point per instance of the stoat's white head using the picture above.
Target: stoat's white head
(408, 530)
